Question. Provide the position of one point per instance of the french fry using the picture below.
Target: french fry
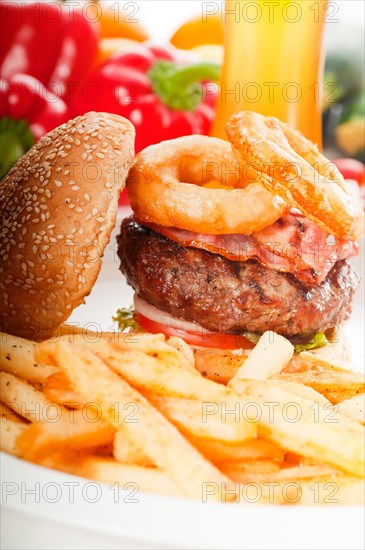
(216, 366)
(134, 479)
(332, 357)
(271, 354)
(184, 349)
(25, 400)
(339, 490)
(324, 490)
(10, 431)
(172, 381)
(253, 449)
(354, 408)
(316, 431)
(58, 389)
(163, 443)
(7, 413)
(128, 409)
(70, 332)
(139, 347)
(127, 451)
(17, 357)
(148, 373)
(334, 385)
(203, 420)
(303, 391)
(250, 472)
(72, 431)
(305, 437)
(143, 479)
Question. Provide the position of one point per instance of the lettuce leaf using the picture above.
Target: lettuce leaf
(125, 319)
(318, 341)
(253, 337)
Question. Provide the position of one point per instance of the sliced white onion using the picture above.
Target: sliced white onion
(159, 316)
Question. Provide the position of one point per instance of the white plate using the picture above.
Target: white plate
(53, 517)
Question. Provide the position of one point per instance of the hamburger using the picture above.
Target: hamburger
(217, 290)
(221, 291)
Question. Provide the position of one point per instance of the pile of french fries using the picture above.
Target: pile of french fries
(133, 408)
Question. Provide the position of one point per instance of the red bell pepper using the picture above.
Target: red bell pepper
(28, 111)
(164, 97)
(354, 173)
(351, 169)
(48, 40)
(78, 53)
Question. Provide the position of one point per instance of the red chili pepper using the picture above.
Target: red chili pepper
(163, 97)
(28, 111)
(47, 40)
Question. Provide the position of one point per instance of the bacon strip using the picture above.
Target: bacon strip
(293, 244)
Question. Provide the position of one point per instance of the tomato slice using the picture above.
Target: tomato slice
(205, 339)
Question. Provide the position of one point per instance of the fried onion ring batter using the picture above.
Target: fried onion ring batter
(291, 166)
(166, 186)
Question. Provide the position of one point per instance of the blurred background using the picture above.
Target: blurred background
(62, 59)
(344, 43)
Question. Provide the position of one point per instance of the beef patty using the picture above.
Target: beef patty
(227, 296)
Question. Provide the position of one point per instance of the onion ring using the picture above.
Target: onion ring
(291, 166)
(158, 191)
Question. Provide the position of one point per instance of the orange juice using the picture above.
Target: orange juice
(273, 62)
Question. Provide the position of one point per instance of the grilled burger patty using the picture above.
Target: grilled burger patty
(228, 296)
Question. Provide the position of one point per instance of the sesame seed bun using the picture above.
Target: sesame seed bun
(59, 205)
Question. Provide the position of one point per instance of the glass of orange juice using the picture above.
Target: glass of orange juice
(273, 62)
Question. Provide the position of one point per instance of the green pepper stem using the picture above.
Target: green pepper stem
(16, 139)
(179, 87)
(183, 76)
